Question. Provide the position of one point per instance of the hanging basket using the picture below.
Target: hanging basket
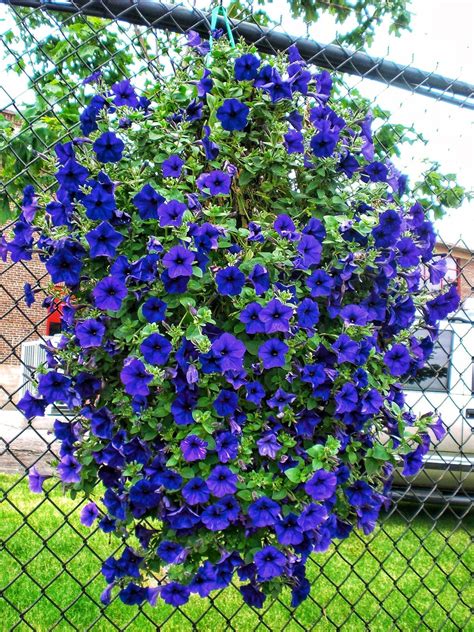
(243, 279)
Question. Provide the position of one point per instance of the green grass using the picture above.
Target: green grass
(405, 576)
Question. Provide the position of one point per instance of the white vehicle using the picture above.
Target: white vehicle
(446, 386)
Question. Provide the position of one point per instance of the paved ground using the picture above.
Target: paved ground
(24, 444)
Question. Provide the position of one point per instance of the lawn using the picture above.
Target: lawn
(406, 576)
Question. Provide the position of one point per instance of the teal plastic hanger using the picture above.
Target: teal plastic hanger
(214, 16)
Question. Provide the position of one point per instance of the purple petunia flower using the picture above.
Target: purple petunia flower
(268, 446)
(320, 283)
(108, 147)
(263, 512)
(276, 317)
(171, 552)
(147, 202)
(272, 353)
(375, 172)
(233, 115)
(255, 392)
(250, 316)
(193, 448)
(230, 351)
(69, 469)
(156, 349)
(218, 182)
(346, 349)
(346, 399)
(354, 315)
(54, 387)
(89, 514)
(109, 294)
(195, 492)
(288, 531)
(175, 594)
(281, 399)
(321, 485)
(397, 360)
(227, 447)
(172, 166)
(226, 403)
(294, 142)
(171, 213)
(90, 333)
(312, 516)
(135, 377)
(64, 267)
(154, 310)
(310, 250)
(178, 261)
(285, 226)
(215, 517)
(230, 281)
(29, 295)
(246, 67)
(182, 408)
(324, 142)
(307, 313)
(221, 481)
(125, 94)
(72, 175)
(32, 406)
(211, 149)
(35, 481)
(270, 562)
(260, 278)
(103, 240)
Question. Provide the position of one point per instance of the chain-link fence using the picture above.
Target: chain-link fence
(413, 571)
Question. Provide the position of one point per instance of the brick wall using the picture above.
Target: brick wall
(17, 321)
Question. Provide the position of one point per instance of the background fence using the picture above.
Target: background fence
(414, 570)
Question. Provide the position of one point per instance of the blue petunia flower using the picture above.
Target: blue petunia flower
(195, 492)
(321, 485)
(270, 563)
(225, 403)
(109, 294)
(154, 309)
(178, 262)
(89, 514)
(108, 147)
(175, 594)
(246, 67)
(221, 481)
(233, 115)
(276, 317)
(90, 333)
(147, 201)
(135, 377)
(263, 512)
(103, 240)
(230, 281)
(193, 448)
(156, 349)
(172, 166)
(272, 353)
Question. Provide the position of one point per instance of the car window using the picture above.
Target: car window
(434, 376)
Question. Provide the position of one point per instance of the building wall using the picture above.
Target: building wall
(18, 322)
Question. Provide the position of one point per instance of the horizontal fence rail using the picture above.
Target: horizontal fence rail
(177, 19)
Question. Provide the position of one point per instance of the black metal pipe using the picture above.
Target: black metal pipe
(178, 19)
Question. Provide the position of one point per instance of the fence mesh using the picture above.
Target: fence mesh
(414, 570)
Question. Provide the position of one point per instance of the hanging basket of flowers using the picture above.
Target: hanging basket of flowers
(242, 297)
